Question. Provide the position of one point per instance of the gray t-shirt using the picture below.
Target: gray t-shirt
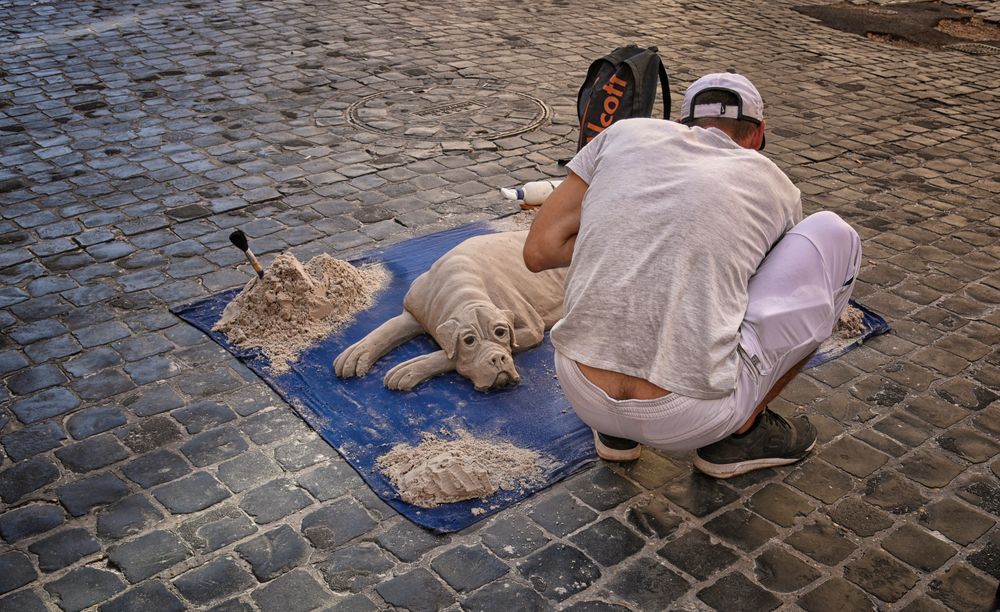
(674, 223)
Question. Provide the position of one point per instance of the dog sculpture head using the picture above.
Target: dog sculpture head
(481, 341)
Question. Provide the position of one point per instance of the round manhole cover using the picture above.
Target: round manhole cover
(443, 111)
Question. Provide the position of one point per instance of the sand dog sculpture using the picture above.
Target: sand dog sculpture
(480, 303)
(293, 305)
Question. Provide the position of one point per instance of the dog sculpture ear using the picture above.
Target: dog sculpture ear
(526, 333)
(446, 335)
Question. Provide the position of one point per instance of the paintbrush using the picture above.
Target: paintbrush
(239, 240)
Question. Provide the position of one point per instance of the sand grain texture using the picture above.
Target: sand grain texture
(440, 471)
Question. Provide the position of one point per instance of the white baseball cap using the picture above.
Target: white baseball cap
(749, 108)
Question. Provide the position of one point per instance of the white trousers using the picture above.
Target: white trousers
(794, 301)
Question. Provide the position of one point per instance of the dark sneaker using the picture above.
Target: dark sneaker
(611, 448)
(773, 440)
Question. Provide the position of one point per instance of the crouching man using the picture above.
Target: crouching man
(695, 291)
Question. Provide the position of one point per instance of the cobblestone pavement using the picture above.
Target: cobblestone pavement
(144, 468)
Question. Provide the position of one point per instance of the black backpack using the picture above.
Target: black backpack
(620, 85)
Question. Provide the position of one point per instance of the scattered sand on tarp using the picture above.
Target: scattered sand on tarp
(294, 305)
(851, 323)
(441, 471)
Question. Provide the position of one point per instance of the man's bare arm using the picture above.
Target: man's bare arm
(553, 233)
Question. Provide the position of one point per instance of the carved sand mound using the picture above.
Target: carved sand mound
(295, 305)
(444, 471)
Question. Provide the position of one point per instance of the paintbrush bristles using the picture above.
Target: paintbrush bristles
(239, 239)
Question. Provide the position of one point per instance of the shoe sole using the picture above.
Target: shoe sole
(613, 454)
(729, 470)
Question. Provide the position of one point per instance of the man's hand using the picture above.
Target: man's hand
(553, 233)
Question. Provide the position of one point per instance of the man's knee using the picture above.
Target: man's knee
(837, 242)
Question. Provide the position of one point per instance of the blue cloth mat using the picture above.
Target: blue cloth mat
(363, 420)
(873, 325)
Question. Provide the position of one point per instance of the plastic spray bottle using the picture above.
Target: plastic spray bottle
(531, 194)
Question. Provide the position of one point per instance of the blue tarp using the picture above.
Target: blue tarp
(363, 420)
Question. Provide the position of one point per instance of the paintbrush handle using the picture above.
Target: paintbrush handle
(253, 262)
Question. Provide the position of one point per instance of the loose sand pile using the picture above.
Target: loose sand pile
(293, 305)
(851, 323)
(443, 471)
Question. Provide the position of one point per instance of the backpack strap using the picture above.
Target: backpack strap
(665, 89)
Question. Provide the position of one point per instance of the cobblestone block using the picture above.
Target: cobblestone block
(965, 393)
(513, 536)
(854, 457)
(274, 553)
(275, 500)
(191, 493)
(217, 579)
(23, 601)
(860, 517)
(92, 454)
(404, 539)
(969, 444)
(11, 361)
(983, 492)
(35, 379)
(298, 454)
(271, 426)
(881, 575)
(216, 528)
(214, 446)
(735, 592)
(148, 555)
(95, 420)
(905, 428)
(206, 383)
(84, 587)
(694, 553)
(352, 568)
(17, 571)
(956, 520)
(962, 589)
(893, 493)
(920, 549)
(156, 468)
(929, 468)
(126, 517)
(467, 568)
(92, 361)
(153, 400)
(296, 591)
(742, 528)
(25, 477)
(654, 518)
(560, 514)
(150, 434)
(102, 333)
(204, 415)
(608, 542)
(513, 595)
(39, 330)
(699, 494)
(833, 595)
(29, 520)
(987, 558)
(781, 571)
(647, 584)
(779, 504)
(63, 549)
(80, 496)
(32, 440)
(152, 369)
(822, 541)
(602, 489)
(147, 596)
(344, 520)
(820, 480)
(415, 590)
(48, 403)
(248, 470)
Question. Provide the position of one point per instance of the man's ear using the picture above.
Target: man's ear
(446, 336)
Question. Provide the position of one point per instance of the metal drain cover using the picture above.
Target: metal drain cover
(463, 109)
(975, 48)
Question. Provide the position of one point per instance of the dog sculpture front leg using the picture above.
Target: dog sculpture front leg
(358, 358)
(410, 373)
